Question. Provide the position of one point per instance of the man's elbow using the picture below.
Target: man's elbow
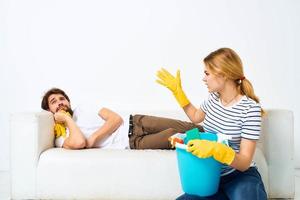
(118, 120)
(78, 144)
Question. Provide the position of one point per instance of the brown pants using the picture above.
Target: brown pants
(150, 132)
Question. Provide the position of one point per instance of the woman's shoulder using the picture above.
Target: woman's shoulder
(250, 104)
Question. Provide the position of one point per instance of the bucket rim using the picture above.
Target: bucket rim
(181, 146)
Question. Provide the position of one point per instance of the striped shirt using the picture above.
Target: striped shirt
(241, 120)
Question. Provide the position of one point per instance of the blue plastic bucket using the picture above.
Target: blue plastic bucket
(199, 176)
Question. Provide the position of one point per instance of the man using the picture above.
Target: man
(109, 130)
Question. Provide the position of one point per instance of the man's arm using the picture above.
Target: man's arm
(112, 122)
(76, 139)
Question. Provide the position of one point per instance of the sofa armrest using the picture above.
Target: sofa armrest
(31, 134)
(277, 143)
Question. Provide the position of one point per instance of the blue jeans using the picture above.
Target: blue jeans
(235, 186)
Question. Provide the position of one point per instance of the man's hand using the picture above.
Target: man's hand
(61, 116)
(173, 83)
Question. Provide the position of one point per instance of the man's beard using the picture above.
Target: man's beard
(69, 110)
(65, 108)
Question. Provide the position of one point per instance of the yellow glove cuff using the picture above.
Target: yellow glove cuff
(181, 98)
(224, 153)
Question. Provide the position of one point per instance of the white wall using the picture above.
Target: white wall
(109, 51)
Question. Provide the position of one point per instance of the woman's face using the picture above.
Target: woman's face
(214, 82)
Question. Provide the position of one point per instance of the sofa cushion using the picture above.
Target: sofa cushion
(112, 174)
(107, 174)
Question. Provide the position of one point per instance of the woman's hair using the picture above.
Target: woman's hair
(227, 63)
(45, 103)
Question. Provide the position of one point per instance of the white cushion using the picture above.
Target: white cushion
(108, 174)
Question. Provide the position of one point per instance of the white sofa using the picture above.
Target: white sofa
(39, 171)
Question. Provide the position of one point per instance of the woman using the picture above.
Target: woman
(233, 109)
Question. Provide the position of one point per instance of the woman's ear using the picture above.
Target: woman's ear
(222, 76)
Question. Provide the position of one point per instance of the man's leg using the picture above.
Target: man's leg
(145, 124)
(150, 132)
(153, 141)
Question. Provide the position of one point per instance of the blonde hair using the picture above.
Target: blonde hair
(227, 63)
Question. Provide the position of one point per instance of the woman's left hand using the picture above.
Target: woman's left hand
(205, 149)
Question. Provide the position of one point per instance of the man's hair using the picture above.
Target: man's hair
(45, 103)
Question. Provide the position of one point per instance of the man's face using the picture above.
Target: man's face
(58, 102)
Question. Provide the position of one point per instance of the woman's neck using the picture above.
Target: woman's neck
(230, 94)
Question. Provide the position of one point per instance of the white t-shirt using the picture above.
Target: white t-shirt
(89, 122)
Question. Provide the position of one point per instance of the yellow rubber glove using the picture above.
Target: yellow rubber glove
(174, 84)
(205, 149)
(60, 129)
